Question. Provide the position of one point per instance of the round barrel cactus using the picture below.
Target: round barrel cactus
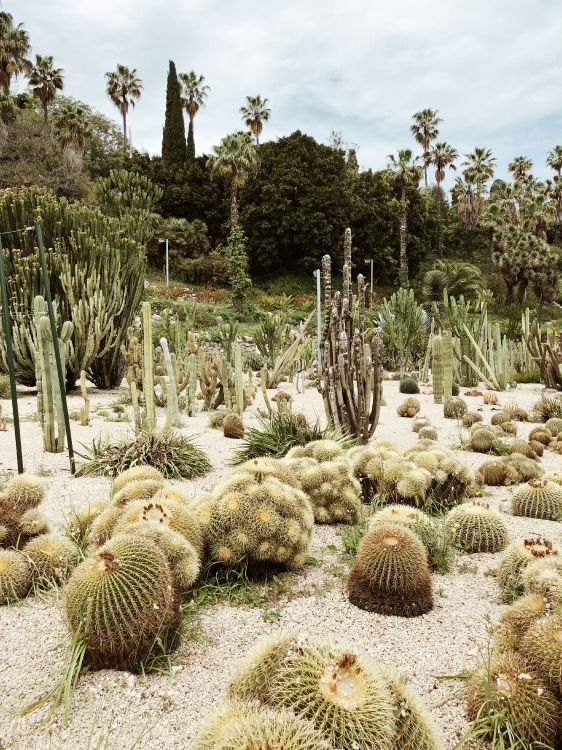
(475, 527)
(542, 648)
(136, 474)
(516, 558)
(15, 575)
(454, 408)
(52, 558)
(538, 499)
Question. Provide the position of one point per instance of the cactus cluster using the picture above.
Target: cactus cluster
(351, 701)
(233, 426)
(256, 516)
(541, 648)
(475, 527)
(554, 425)
(454, 408)
(81, 520)
(333, 491)
(408, 408)
(51, 558)
(538, 499)
(20, 519)
(516, 558)
(497, 474)
(319, 450)
(391, 575)
(541, 434)
(527, 468)
(419, 422)
(544, 578)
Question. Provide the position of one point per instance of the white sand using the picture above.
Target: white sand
(117, 711)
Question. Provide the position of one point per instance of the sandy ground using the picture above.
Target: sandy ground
(118, 711)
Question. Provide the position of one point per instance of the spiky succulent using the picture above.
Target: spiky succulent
(233, 426)
(428, 433)
(451, 479)
(483, 440)
(15, 576)
(419, 422)
(518, 415)
(544, 578)
(102, 527)
(81, 520)
(490, 398)
(408, 408)
(137, 489)
(538, 499)
(516, 558)
(470, 418)
(522, 447)
(553, 476)
(416, 730)
(507, 428)
(541, 647)
(253, 676)
(283, 469)
(517, 619)
(120, 600)
(52, 558)
(525, 467)
(21, 518)
(554, 425)
(518, 703)
(320, 450)
(499, 417)
(333, 491)
(217, 418)
(257, 517)
(409, 385)
(391, 574)
(475, 527)
(497, 474)
(542, 434)
(534, 445)
(454, 408)
(23, 492)
(136, 474)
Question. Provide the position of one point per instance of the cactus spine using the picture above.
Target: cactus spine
(437, 369)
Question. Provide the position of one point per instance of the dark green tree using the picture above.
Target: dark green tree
(173, 138)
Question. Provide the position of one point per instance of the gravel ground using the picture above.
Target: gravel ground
(119, 711)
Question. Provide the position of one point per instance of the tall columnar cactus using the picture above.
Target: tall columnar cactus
(148, 368)
(85, 408)
(173, 417)
(238, 381)
(437, 368)
(351, 366)
(546, 353)
(447, 365)
(49, 396)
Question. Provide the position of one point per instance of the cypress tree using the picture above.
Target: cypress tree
(173, 138)
(190, 143)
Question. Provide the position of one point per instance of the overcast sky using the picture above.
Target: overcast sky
(493, 68)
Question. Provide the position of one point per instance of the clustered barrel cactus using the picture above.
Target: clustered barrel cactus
(20, 519)
(516, 558)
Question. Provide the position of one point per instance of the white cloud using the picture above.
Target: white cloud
(362, 67)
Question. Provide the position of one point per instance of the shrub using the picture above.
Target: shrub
(409, 385)
(174, 455)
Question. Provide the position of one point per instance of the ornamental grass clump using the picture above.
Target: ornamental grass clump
(475, 527)
(391, 575)
(174, 455)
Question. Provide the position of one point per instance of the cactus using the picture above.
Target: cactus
(544, 578)
(519, 415)
(542, 649)
(51, 558)
(243, 726)
(537, 447)
(497, 474)
(490, 398)
(319, 450)
(85, 408)
(409, 385)
(554, 426)
(428, 530)
(120, 600)
(507, 428)
(420, 422)
(516, 558)
(233, 426)
(81, 520)
(101, 528)
(483, 440)
(408, 408)
(173, 416)
(475, 527)
(256, 516)
(454, 408)
(542, 434)
(135, 473)
(499, 417)
(21, 520)
(253, 676)
(333, 491)
(437, 369)
(546, 353)
(525, 467)
(525, 707)
(447, 365)
(520, 446)
(391, 574)
(281, 469)
(470, 418)
(517, 619)
(428, 433)
(538, 499)
(493, 362)
(416, 729)
(351, 365)
(141, 489)
(149, 418)
(15, 576)
(131, 354)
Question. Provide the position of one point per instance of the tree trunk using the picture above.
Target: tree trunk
(45, 113)
(190, 141)
(440, 220)
(425, 174)
(233, 203)
(403, 273)
(124, 134)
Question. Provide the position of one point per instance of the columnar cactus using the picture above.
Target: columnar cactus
(538, 499)
(437, 368)
(391, 574)
(351, 365)
(475, 527)
(149, 419)
(447, 365)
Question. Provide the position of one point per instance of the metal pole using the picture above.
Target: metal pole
(317, 274)
(10, 357)
(54, 334)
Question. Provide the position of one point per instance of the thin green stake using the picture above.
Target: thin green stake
(54, 334)
(10, 355)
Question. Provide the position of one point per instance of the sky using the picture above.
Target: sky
(493, 68)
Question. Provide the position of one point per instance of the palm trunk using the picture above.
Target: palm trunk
(425, 174)
(124, 134)
(233, 203)
(45, 113)
(403, 272)
(440, 198)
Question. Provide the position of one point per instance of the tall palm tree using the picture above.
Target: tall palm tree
(123, 88)
(442, 155)
(254, 113)
(520, 167)
(480, 166)
(425, 131)
(45, 81)
(554, 159)
(468, 200)
(71, 127)
(406, 172)
(194, 92)
(235, 158)
(14, 48)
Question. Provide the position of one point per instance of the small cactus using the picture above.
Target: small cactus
(507, 428)
(542, 434)
(391, 574)
(519, 415)
(525, 467)
(23, 492)
(517, 619)
(516, 558)
(21, 518)
(51, 557)
(320, 450)
(121, 600)
(544, 578)
(483, 440)
(420, 422)
(499, 417)
(538, 499)
(15, 576)
(136, 474)
(542, 649)
(554, 425)
(137, 489)
(497, 474)
(81, 520)
(233, 426)
(416, 729)
(409, 385)
(534, 445)
(428, 433)
(475, 527)
(520, 446)
(409, 408)
(490, 398)
(333, 491)
(470, 418)
(454, 408)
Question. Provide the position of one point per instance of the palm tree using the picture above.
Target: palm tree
(235, 158)
(468, 200)
(71, 127)
(480, 166)
(123, 88)
(425, 131)
(520, 167)
(14, 48)
(194, 93)
(442, 155)
(254, 113)
(45, 81)
(554, 159)
(406, 172)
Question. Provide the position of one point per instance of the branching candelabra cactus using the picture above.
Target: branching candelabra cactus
(351, 366)
(546, 353)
